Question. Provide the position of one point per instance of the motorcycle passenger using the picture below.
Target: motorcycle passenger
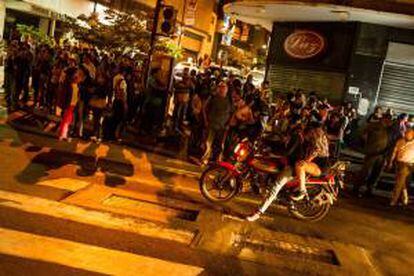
(294, 151)
(316, 157)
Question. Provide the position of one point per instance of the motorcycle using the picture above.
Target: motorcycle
(223, 180)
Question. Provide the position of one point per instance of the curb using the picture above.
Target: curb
(35, 131)
(30, 129)
(157, 150)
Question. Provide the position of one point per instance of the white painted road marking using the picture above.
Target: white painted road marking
(68, 184)
(97, 218)
(87, 257)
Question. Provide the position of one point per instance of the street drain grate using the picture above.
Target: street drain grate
(289, 249)
(143, 205)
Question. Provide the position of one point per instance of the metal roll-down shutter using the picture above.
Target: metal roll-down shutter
(397, 88)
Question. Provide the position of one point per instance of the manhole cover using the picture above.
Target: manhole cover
(288, 249)
(142, 205)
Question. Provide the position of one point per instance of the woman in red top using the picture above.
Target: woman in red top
(71, 89)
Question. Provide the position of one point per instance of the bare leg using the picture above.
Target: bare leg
(302, 168)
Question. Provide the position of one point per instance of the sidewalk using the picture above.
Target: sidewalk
(126, 159)
(41, 123)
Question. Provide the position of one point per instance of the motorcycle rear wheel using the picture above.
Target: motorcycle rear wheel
(309, 210)
(217, 184)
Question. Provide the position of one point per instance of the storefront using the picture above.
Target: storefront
(381, 71)
(311, 57)
(396, 89)
(344, 51)
(42, 13)
(363, 63)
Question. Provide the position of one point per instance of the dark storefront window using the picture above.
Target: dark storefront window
(14, 17)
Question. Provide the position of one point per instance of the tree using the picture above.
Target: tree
(32, 33)
(121, 32)
(238, 57)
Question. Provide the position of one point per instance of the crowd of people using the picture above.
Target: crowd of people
(389, 143)
(315, 134)
(83, 84)
(78, 84)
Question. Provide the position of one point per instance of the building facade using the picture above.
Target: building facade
(195, 39)
(43, 14)
(359, 51)
(238, 43)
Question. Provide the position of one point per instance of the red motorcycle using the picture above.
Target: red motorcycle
(222, 181)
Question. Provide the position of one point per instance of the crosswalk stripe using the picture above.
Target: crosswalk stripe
(69, 184)
(87, 257)
(97, 218)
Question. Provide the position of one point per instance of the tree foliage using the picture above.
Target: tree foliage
(121, 32)
(238, 57)
(170, 48)
(31, 32)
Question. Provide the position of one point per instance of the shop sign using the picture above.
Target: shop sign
(304, 44)
(190, 12)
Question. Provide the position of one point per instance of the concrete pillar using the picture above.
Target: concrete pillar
(44, 26)
(2, 17)
(52, 28)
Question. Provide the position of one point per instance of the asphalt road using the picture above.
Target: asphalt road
(31, 167)
(119, 241)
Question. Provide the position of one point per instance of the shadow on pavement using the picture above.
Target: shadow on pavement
(44, 162)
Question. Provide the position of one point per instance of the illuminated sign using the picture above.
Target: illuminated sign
(304, 44)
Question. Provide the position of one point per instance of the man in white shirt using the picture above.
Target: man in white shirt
(404, 155)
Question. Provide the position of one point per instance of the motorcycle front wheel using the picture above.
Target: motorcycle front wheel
(218, 184)
(310, 210)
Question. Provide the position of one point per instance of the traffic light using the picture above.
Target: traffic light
(167, 20)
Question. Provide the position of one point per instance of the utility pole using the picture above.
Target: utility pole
(157, 10)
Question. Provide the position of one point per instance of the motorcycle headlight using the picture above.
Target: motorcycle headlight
(241, 152)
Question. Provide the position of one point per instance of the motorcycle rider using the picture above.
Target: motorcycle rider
(248, 120)
(294, 151)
